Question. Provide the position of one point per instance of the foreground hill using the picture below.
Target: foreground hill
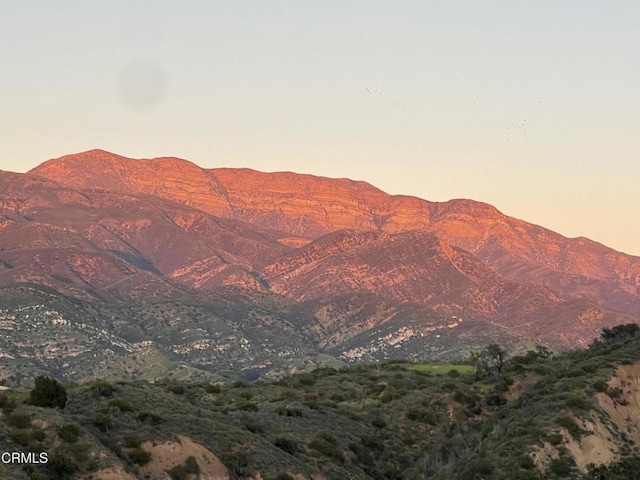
(541, 417)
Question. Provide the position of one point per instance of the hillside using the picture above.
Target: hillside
(179, 271)
(573, 415)
(308, 207)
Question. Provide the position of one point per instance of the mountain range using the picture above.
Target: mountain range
(212, 271)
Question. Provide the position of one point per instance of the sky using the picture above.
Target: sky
(533, 107)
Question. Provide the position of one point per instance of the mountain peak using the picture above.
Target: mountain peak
(84, 163)
(166, 177)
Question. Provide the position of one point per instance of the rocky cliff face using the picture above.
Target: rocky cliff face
(114, 245)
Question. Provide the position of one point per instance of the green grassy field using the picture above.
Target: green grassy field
(442, 368)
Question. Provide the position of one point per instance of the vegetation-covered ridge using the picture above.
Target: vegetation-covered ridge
(533, 416)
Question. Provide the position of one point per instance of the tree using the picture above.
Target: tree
(490, 360)
(620, 333)
(48, 393)
(616, 336)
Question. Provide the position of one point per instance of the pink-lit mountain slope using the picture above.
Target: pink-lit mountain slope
(305, 207)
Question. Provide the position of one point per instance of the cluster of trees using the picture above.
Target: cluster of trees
(618, 335)
(491, 359)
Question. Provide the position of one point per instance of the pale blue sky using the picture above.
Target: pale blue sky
(533, 107)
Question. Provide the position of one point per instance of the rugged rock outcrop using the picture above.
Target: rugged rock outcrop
(110, 244)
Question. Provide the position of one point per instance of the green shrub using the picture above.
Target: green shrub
(578, 401)
(483, 466)
(69, 432)
(148, 417)
(600, 386)
(328, 437)
(21, 437)
(326, 448)
(449, 387)
(464, 398)
(254, 426)
(495, 399)
(555, 438)
(561, 466)
(178, 473)
(307, 379)
(102, 421)
(182, 472)
(246, 394)
(372, 442)
(363, 456)
(139, 456)
(625, 469)
(212, 388)
(131, 441)
(236, 462)
(191, 465)
(38, 435)
(178, 389)
(247, 406)
(614, 392)
(101, 388)
(422, 416)
(526, 462)
(120, 404)
(17, 420)
(48, 393)
(7, 404)
(289, 411)
(81, 451)
(62, 465)
(570, 424)
(379, 422)
(286, 444)
(337, 397)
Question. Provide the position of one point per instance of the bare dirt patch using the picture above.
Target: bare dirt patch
(167, 455)
(112, 473)
(602, 442)
(624, 411)
(597, 447)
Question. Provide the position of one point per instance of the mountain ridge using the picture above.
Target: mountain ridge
(293, 272)
(307, 207)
